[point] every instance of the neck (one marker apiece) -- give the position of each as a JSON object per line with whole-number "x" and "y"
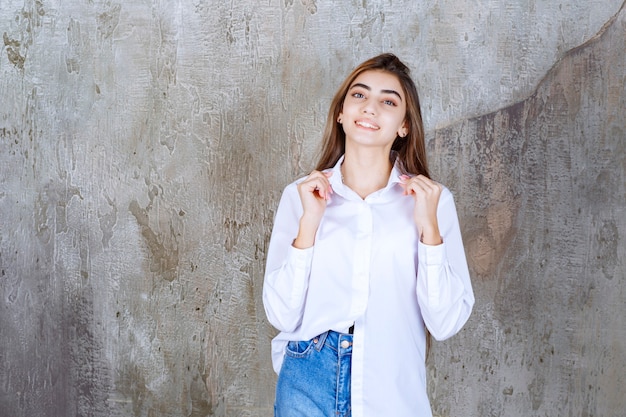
{"x": 366, "y": 172}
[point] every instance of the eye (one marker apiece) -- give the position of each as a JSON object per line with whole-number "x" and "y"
{"x": 389, "y": 102}
{"x": 358, "y": 95}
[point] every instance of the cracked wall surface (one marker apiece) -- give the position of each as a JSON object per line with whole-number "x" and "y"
{"x": 144, "y": 146}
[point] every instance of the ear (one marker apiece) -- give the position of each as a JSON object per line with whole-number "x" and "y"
{"x": 404, "y": 130}
{"x": 340, "y": 117}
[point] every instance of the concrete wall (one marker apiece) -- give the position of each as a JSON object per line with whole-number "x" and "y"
{"x": 144, "y": 146}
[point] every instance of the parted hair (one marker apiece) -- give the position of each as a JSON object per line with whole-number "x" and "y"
{"x": 410, "y": 150}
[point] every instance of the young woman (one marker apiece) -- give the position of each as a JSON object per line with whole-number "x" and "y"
{"x": 365, "y": 259}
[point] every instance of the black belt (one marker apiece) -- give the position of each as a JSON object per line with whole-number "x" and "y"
{"x": 351, "y": 329}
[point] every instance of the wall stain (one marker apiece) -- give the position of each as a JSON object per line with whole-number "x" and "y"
{"x": 89, "y": 382}
{"x": 201, "y": 405}
{"x": 164, "y": 260}
{"x": 368, "y": 25}
{"x": 163, "y": 246}
{"x": 50, "y": 210}
{"x": 310, "y": 6}
{"x": 72, "y": 60}
{"x": 107, "y": 222}
{"x": 27, "y": 20}
{"x": 233, "y": 228}
{"x": 131, "y": 384}
{"x": 108, "y": 20}
{"x": 13, "y": 51}
{"x": 605, "y": 245}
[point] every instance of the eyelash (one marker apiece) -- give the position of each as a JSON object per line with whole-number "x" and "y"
{"x": 360, "y": 95}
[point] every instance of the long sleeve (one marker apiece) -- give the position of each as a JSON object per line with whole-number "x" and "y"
{"x": 444, "y": 289}
{"x": 288, "y": 268}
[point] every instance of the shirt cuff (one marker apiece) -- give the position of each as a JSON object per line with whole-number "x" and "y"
{"x": 431, "y": 255}
{"x": 300, "y": 258}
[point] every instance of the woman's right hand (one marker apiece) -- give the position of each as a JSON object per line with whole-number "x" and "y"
{"x": 315, "y": 191}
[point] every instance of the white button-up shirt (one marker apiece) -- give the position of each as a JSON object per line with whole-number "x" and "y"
{"x": 369, "y": 268}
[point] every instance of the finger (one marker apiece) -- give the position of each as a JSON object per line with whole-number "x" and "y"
{"x": 420, "y": 185}
{"x": 414, "y": 186}
{"x": 424, "y": 184}
{"x": 324, "y": 175}
{"x": 404, "y": 183}
{"x": 317, "y": 183}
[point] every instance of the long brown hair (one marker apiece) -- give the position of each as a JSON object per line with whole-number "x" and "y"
{"x": 411, "y": 149}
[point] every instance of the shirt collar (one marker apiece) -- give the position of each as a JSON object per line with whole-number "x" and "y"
{"x": 336, "y": 181}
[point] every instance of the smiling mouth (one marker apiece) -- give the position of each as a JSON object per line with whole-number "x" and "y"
{"x": 366, "y": 124}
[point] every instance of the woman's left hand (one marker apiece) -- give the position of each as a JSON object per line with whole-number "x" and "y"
{"x": 426, "y": 193}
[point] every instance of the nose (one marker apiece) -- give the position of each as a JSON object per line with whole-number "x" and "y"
{"x": 368, "y": 107}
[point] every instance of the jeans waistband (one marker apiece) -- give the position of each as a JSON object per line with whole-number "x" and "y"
{"x": 333, "y": 339}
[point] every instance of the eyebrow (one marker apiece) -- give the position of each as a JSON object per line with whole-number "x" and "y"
{"x": 368, "y": 88}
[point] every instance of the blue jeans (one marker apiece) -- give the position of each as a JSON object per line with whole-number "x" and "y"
{"x": 314, "y": 380}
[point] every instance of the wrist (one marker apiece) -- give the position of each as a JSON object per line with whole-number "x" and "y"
{"x": 431, "y": 236}
{"x": 306, "y": 233}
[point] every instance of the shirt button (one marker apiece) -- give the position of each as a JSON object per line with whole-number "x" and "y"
{"x": 345, "y": 344}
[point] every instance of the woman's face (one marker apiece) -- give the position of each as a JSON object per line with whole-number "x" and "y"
{"x": 374, "y": 110}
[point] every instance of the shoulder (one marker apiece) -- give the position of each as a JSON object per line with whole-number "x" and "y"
{"x": 290, "y": 192}
{"x": 446, "y": 200}
{"x": 445, "y": 192}
{"x": 292, "y": 187}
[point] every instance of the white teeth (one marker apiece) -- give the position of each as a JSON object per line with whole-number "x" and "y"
{"x": 367, "y": 125}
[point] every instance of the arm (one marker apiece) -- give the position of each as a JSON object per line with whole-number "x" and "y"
{"x": 444, "y": 289}
{"x": 299, "y": 213}
{"x": 287, "y": 268}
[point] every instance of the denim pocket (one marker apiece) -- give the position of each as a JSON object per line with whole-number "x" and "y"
{"x": 299, "y": 349}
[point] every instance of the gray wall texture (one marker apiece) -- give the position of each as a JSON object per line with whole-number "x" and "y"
{"x": 144, "y": 146}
